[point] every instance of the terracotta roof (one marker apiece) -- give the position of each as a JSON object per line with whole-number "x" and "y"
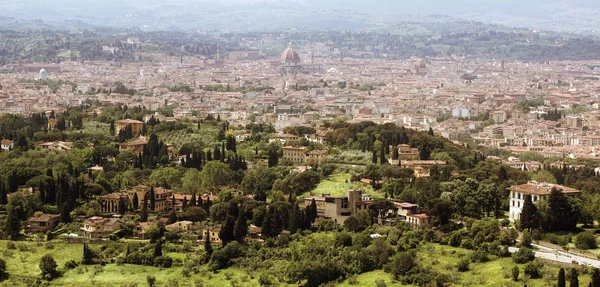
{"x": 43, "y": 217}
{"x": 129, "y": 121}
{"x": 6, "y": 142}
{"x": 420, "y": 216}
{"x": 543, "y": 188}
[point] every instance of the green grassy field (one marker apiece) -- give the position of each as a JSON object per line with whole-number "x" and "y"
{"x": 23, "y": 267}
{"x": 338, "y": 184}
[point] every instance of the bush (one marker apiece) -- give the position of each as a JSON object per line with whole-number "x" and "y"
{"x": 532, "y": 269}
{"x": 163, "y": 261}
{"x": 71, "y": 264}
{"x": 151, "y": 280}
{"x": 463, "y": 265}
{"x": 380, "y": 283}
{"x": 586, "y": 240}
{"x": 3, "y": 273}
{"x": 266, "y": 280}
{"x": 523, "y": 255}
{"x": 526, "y": 238}
{"x": 48, "y": 267}
{"x": 479, "y": 256}
{"x": 11, "y": 245}
{"x": 515, "y": 273}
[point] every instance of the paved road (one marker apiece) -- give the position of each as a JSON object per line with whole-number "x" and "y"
{"x": 559, "y": 256}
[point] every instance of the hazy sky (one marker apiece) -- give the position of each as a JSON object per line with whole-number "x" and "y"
{"x": 108, "y": 12}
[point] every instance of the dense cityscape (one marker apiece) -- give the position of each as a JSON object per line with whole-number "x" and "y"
{"x": 294, "y": 158}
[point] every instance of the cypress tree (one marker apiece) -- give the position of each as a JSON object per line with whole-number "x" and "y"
{"x": 157, "y": 249}
{"x": 217, "y": 153}
{"x": 529, "y": 218}
{"x": 207, "y": 246}
{"x": 152, "y": 199}
{"x": 122, "y": 206}
{"x": 42, "y": 189}
{"x": 184, "y": 204}
{"x": 374, "y": 158}
{"x": 172, "y": 217}
{"x": 382, "y": 156}
{"x": 273, "y": 158}
{"x": 561, "y": 278}
{"x": 135, "y": 202}
{"x": 573, "y": 278}
{"x": 200, "y": 203}
{"x": 3, "y": 194}
{"x": 595, "y": 278}
{"x": 193, "y": 200}
{"x": 227, "y": 230}
{"x": 241, "y": 227}
{"x": 267, "y": 224}
{"x": 313, "y": 211}
{"x": 144, "y": 215}
{"x": 430, "y": 131}
{"x": 295, "y": 218}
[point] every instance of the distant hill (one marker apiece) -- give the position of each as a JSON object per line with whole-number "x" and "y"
{"x": 251, "y": 15}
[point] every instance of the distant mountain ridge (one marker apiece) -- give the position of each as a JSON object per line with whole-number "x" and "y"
{"x": 580, "y": 16}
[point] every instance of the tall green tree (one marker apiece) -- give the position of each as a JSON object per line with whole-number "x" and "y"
{"x": 241, "y": 227}
{"x": 313, "y": 210}
{"x": 530, "y": 218}
{"x": 144, "y": 213}
{"x": 561, "y": 278}
{"x": 193, "y": 200}
{"x": 573, "y": 278}
{"x": 227, "y": 230}
{"x": 3, "y": 194}
{"x": 595, "y": 278}
{"x": 273, "y": 159}
{"x": 135, "y": 202}
{"x": 152, "y": 199}
{"x": 267, "y": 224}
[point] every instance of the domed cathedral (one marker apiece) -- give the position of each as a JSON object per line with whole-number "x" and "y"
{"x": 420, "y": 67}
{"x": 290, "y": 61}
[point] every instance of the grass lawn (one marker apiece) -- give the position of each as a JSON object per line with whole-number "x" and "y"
{"x": 129, "y": 275}
{"x": 496, "y": 272}
{"x": 337, "y": 184}
{"x": 368, "y": 279}
{"x": 23, "y": 267}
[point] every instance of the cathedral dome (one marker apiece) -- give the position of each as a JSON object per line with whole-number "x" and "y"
{"x": 419, "y": 64}
{"x": 290, "y": 55}
{"x": 43, "y": 71}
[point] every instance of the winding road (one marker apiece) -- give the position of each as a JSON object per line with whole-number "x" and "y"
{"x": 560, "y": 256}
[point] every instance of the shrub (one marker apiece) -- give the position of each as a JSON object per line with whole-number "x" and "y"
{"x": 380, "y": 283}
{"x": 586, "y": 240}
{"x": 3, "y": 273}
{"x": 71, "y": 264}
{"x": 11, "y": 245}
{"x": 266, "y": 280}
{"x": 463, "y": 265}
{"x": 163, "y": 261}
{"x": 523, "y": 255}
{"x": 48, "y": 267}
{"x": 479, "y": 256}
{"x": 532, "y": 269}
{"x": 151, "y": 280}
{"x": 526, "y": 238}
{"x": 515, "y": 273}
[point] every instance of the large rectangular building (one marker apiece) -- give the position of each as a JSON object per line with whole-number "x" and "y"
{"x": 537, "y": 190}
